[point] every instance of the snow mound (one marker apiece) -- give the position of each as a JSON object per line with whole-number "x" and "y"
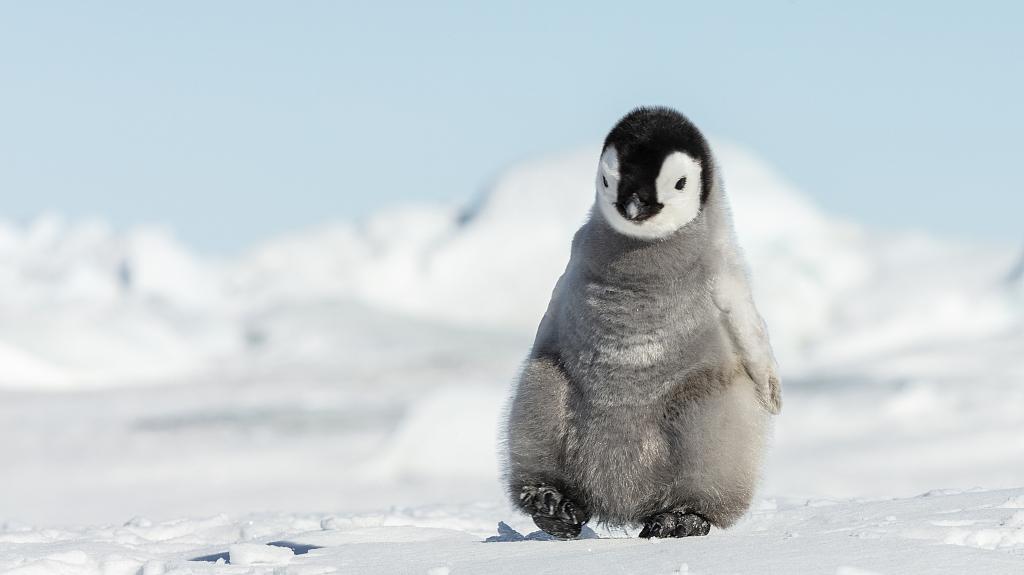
{"x": 433, "y": 440}
{"x": 259, "y": 554}
{"x": 21, "y": 366}
{"x": 85, "y": 305}
{"x": 1016, "y": 276}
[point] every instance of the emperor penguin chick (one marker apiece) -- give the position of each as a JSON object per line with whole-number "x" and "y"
{"x": 647, "y": 395}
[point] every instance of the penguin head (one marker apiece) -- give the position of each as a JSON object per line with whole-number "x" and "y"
{"x": 655, "y": 172}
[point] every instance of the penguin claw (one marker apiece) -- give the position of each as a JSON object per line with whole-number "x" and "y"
{"x": 675, "y": 524}
{"x": 554, "y": 513}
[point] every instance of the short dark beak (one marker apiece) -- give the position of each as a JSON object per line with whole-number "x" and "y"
{"x": 636, "y": 210}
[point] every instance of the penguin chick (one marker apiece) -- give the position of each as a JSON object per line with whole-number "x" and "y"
{"x": 647, "y": 395}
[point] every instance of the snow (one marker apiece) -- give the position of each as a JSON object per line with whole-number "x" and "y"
{"x": 955, "y": 532}
{"x": 259, "y": 554}
{"x": 342, "y": 388}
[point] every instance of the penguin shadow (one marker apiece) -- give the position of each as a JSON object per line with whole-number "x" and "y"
{"x": 225, "y": 557}
{"x": 507, "y": 534}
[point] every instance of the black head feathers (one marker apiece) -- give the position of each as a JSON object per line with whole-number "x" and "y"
{"x": 645, "y": 136}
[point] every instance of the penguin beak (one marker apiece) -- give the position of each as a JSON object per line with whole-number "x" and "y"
{"x": 636, "y": 210}
{"x": 633, "y": 208}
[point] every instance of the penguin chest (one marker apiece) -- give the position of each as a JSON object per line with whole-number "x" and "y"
{"x": 625, "y": 345}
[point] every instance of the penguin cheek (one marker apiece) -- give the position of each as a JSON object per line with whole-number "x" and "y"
{"x": 681, "y": 213}
{"x": 608, "y": 193}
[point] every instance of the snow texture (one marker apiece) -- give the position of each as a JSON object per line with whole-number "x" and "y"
{"x": 949, "y": 532}
{"x": 159, "y": 406}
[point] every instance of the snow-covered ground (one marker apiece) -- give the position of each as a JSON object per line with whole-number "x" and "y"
{"x": 944, "y": 532}
{"x": 342, "y": 387}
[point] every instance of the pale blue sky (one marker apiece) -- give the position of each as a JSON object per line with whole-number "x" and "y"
{"x": 234, "y": 121}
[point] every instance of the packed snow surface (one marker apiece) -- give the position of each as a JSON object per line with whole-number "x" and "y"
{"x": 979, "y": 532}
{"x": 258, "y": 412}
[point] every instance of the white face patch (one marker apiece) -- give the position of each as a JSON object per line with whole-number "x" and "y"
{"x": 681, "y": 206}
{"x": 608, "y": 178}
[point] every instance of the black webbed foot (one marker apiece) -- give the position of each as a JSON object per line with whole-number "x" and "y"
{"x": 554, "y": 513}
{"x": 675, "y": 524}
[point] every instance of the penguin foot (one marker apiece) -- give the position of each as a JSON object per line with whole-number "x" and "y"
{"x": 554, "y": 513}
{"x": 675, "y": 524}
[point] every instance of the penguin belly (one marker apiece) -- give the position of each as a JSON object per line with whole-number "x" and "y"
{"x": 621, "y": 458}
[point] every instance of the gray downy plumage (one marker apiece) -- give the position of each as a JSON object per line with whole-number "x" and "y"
{"x": 651, "y": 382}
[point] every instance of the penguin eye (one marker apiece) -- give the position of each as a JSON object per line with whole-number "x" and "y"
{"x": 681, "y": 183}
{"x": 605, "y": 180}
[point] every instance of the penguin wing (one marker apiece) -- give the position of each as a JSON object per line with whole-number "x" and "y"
{"x": 749, "y": 334}
{"x": 545, "y": 341}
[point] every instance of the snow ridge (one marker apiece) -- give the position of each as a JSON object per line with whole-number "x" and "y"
{"x": 84, "y": 305}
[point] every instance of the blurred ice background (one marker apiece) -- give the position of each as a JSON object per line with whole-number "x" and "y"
{"x": 277, "y": 341}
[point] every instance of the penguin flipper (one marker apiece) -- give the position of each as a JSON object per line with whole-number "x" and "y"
{"x": 749, "y": 335}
